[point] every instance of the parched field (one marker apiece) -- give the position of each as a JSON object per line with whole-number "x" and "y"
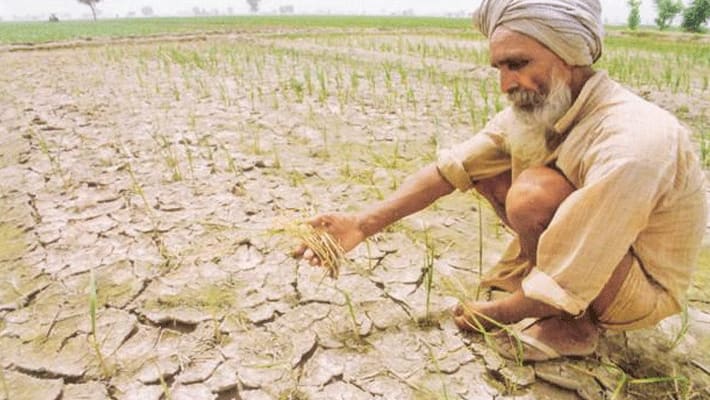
{"x": 145, "y": 182}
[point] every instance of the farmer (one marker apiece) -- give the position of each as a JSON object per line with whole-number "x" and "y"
{"x": 602, "y": 188}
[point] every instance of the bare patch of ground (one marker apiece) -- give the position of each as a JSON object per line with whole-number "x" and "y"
{"x": 164, "y": 166}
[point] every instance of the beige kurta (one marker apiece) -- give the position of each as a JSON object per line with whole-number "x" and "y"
{"x": 639, "y": 187}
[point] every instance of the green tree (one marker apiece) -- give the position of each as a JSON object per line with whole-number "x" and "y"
{"x": 634, "y": 14}
{"x": 92, "y": 5}
{"x": 696, "y": 15}
{"x": 667, "y": 10}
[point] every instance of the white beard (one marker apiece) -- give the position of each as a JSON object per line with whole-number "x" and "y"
{"x": 537, "y": 116}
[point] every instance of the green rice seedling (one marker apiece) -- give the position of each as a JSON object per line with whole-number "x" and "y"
{"x": 412, "y": 99}
{"x": 163, "y": 385}
{"x": 192, "y": 121}
{"x": 428, "y": 270}
{"x": 169, "y": 260}
{"x": 204, "y": 143}
{"x": 325, "y": 153}
{"x": 681, "y": 384}
{"x": 374, "y": 186}
{"x": 684, "y": 325}
{"x": 480, "y": 246}
{"x": 54, "y": 161}
{"x": 454, "y": 289}
{"x": 368, "y": 249}
{"x": 322, "y": 85}
{"x": 277, "y": 157}
{"x": 387, "y": 68}
{"x": 141, "y": 82}
{"x": 308, "y": 80}
{"x": 371, "y": 79}
{"x": 105, "y": 371}
{"x": 169, "y": 156}
{"x": 323, "y": 245}
{"x": 295, "y": 178}
{"x": 457, "y": 94}
{"x": 343, "y": 99}
{"x": 189, "y": 156}
{"x": 224, "y": 94}
{"x": 297, "y": 88}
{"x": 704, "y": 140}
{"x": 137, "y": 187}
{"x": 354, "y": 81}
{"x": 435, "y": 361}
{"x": 485, "y": 113}
{"x": 403, "y": 75}
{"x": 351, "y": 311}
{"x": 339, "y": 79}
{"x": 473, "y": 112}
{"x": 204, "y": 89}
{"x": 176, "y": 92}
{"x": 292, "y": 394}
{"x": 346, "y": 171}
{"x": 497, "y": 103}
{"x": 275, "y": 101}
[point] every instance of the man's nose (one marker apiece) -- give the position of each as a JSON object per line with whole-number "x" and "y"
{"x": 508, "y": 81}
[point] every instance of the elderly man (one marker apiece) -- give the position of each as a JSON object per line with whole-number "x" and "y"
{"x": 601, "y": 187}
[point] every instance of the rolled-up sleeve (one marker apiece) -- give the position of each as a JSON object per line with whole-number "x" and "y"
{"x": 591, "y": 232}
{"x": 482, "y": 156}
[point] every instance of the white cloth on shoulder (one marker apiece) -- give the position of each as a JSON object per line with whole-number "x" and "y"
{"x": 572, "y": 29}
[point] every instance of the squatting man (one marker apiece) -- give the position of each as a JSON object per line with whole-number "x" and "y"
{"x": 602, "y": 188}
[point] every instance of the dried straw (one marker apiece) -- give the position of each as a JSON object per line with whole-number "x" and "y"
{"x": 323, "y": 245}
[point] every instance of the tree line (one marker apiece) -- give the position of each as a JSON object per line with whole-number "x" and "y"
{"x": 253, "y": 7}
{"x": 695, "y": 15}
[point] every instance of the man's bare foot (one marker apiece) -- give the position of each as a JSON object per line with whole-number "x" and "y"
{"x": 479, "y": 316}
{"x": 486, "y": 315}
{"x": 550, "y": 338}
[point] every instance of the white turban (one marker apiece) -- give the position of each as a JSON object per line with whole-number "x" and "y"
{"x": 572, "y": 29}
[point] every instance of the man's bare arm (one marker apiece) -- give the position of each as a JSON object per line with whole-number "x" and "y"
{"x": 416, "y": 193}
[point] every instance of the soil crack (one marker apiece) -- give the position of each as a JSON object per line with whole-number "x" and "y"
{"x": 42, "y": 373}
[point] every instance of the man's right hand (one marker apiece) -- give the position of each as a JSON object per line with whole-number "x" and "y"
{"x": 416, "y": 192}
{"x": 344, "y": 228}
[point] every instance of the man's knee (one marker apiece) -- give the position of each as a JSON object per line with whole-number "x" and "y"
{"x": 494, "y": 189}
{"x": 534, "y": 197}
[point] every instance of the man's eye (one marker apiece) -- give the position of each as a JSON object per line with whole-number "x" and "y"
{"x": 516, "y": 65}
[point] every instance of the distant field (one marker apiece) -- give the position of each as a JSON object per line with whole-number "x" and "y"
{"x": 38, "y": 32}
{"x": 42, "y": 32}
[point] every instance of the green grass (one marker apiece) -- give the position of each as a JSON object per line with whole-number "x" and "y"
{"x": 40, "y": 32}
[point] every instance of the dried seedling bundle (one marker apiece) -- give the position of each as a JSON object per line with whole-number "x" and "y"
{"x": 323, "y": 245}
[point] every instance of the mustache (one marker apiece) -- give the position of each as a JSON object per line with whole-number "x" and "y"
{"x": 526, "y": 99}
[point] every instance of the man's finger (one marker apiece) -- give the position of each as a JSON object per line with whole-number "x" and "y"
{"x": 298, "y": 251}
{"x": 317, "y": 221}
{"x": 308, "y": 254}
{"x": 322, "y": 221}
{"x": 462, "y": 323}
{"x": 458, "y": 310}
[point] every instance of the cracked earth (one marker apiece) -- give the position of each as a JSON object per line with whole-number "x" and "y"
{"x": 158, "y": 172}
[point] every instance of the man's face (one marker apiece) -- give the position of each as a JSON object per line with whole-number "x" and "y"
{"x": 527, "y": 68}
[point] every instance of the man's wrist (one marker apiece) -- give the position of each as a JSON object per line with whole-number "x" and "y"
{"x": 367, "y": 224}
